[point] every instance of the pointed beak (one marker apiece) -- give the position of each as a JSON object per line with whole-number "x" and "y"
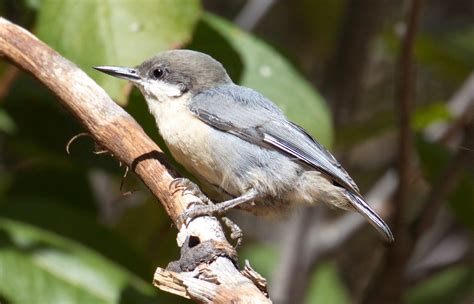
{"x": 120, "y": 72}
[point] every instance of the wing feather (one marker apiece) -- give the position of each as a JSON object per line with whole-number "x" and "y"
{"x": 247, "y": 114}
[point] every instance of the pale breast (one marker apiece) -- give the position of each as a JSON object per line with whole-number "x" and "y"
{"x": 187, "y": 138}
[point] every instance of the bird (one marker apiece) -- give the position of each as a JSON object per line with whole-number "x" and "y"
{"x": 239, "y": 145}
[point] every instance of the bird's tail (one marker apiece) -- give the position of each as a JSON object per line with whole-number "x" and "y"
{"x": 358, "y": 203}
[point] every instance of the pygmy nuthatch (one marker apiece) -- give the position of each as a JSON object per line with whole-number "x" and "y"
{"x": 237, "y": 143}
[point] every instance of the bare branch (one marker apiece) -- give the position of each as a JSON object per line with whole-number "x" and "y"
{"x": 389, "y": 288}
{"x": 115, "y": 130}
{"x": 345, "y": 75}
{"x": 252, "y": 13}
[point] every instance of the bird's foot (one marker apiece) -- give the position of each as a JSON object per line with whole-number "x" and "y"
{"x": 236, "y": 232}
{"x": 187, "y": 186}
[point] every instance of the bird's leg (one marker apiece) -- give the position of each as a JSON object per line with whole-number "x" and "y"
{"x": 219, "y": 208}
{"x": 235, "y": 231}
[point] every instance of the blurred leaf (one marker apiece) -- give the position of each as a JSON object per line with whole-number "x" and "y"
{"x": 461, "y": 201}
{"x": 429, "y": 114}
{"x": 33, "y": 4}
{"x": 326, "y": 286}
{"x": 56, "y": 270}
{"x": 5, "y": 183}
{"x": 385, "y": 121}
{"x": 120, "y": 32}
{"x": 263, "y": 258}
{"x": 208, "y": 39}
{"x": 447, "y": 287}
{"x": 6, "y": 123}
{"x": 266, "y": 71}
{"x": 438, "y": 53}
{"x": 434, "y": 159}
{"x": 463, "y": 41}
{"x": 74, "y": 224}
{"x": 148, "y": 229}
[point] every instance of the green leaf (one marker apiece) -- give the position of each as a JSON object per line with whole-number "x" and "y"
{"x": 448, "y": 56}
{"x": 434, "y": 159}
{"x": 147, "y": 227}
{"x": 6, "y": 123}
{"x": 119, "y": 32}
{"x": 447, "y": 287}
{"x": 384, "y": 121}
{"x": 266, "y": 71}
{"x": 56, "y": 270}
{"x": 461, "y": 201}
{"x": 74, "y": 224}
{"x": 429, "y": 114}
{"x": 326, "y": 286}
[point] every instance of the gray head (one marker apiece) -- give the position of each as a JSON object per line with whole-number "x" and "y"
{"x": 173, "y": 73}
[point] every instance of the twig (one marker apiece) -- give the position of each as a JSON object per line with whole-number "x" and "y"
{"x": 346, "y": 71}
{"x": 390, "y": 285}
{"x": 327, "y": 237}
{"x": 453, "y": 249}
{"x": 252, "y": 13}
{"x": 116, "y": 131}
{"x": 342, "y": 85}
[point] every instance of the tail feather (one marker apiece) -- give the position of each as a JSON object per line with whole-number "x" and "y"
{"x": 361, "y": 206}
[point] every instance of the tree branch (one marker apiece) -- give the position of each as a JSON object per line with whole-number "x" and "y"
{"x": 343, "y": 83}
{"x": 390, "y": 287}
{"x": 115, "y": 130}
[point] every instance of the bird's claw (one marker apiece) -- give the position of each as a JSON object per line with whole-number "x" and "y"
{"x": 186, "y": 186}
{"x": 236, "y": 232}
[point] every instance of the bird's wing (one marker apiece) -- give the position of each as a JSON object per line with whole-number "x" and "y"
{"x": 247, "y": 114}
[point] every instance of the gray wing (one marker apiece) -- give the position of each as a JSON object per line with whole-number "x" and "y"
{"x": 247, "y": 114}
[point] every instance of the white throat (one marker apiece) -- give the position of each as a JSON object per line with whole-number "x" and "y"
{"x": 167, "y": 103}
{"x": 160, "y": 90}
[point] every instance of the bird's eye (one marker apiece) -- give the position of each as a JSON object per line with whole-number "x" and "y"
{"x": 157, "y": 73}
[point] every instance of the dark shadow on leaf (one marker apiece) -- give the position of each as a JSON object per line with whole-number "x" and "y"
{"x": 209, "y": 41}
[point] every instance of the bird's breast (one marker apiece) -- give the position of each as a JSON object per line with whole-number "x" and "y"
{"x": 187, "y": 137}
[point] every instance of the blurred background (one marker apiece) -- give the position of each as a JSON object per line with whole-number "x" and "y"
{"x": 69, "y": 235}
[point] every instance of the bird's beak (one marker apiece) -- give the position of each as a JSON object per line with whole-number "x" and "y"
{"x": 120, "y": 72}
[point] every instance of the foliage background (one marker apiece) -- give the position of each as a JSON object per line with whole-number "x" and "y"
{"x": 68, "y": 235}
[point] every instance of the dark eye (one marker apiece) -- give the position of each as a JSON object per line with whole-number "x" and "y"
{"x": 157, "y": 73}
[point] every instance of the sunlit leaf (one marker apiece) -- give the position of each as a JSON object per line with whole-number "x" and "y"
{"x": 120, "y": 32}
{"x": 6, "y": 123}
{"x": 429, "y": 114}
